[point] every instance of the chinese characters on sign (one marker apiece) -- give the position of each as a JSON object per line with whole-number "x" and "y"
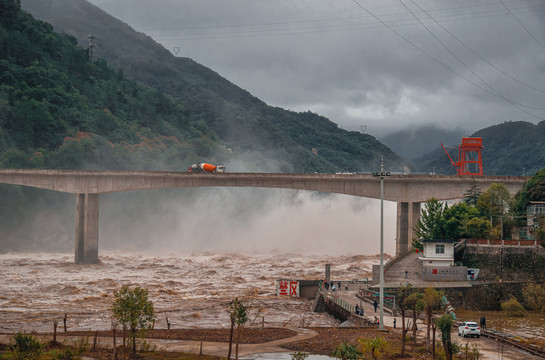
{"x": 287, "y": 288}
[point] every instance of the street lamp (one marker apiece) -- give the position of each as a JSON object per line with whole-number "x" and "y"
{"x": 382, "y": 174}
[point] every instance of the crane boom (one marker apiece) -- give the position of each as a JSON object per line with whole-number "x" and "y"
{"x": 470, "y": 160}
{"x": 451, "y": 161}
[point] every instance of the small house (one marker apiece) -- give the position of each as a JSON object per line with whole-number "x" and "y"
{"x": 438, "y": 261}
{"x": 437, "y": 252}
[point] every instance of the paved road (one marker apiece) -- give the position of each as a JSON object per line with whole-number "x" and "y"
{"x": 489, "y": 349}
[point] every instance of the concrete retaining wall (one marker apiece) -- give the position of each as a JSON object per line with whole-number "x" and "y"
{"x": 444, "y": 273}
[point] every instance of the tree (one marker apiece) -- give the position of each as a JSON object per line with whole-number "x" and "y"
{"x": 496, "y": 203}
{"x": 345, "y": 351}
{"x": 376, "y": 346}
{"x": 432, "y": 300}
{"x": 471, "y": 196}
{"x": 534, "y": 190}
{"x": 534, "y": 296}
{"x": 402, "y": 295}
{"x": 444, "y": 323}
{"x": 416, "y": 305}
{"x": 240, "y": 319}
{"x": 430, "y": 225}
{"x": 238, "y": 316}
{"x": 478, "y": 228}
{"x": 456, "y": 218}
{"x": 133, "y": 309}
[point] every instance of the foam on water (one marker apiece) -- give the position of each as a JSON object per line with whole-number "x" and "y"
{"x": 192, "y": 290}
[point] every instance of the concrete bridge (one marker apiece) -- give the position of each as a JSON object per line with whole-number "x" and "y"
{"x": 409, "y": 191}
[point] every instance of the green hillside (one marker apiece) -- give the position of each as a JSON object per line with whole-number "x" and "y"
{"x": 58, "y": 110}
{"x": 299, "y": 142}
{"x": 510, "y": 148}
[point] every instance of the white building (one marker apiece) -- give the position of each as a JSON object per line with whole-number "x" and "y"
{"x": 437, "y": 252}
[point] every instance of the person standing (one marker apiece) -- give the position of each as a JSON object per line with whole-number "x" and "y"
{"x": 375, "y": 304}
{"x": 394, "y": 323}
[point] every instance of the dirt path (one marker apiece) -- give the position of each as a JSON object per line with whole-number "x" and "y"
{"x": 221, "y": 349}
{"x": 489, "y": 349}
{"x": 208, "y": 347}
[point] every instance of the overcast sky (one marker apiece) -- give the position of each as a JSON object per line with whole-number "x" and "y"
{"x": 383, "y": 65}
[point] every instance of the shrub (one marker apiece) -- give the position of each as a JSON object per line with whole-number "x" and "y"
{"x": 346, "y": 352}
{"x": 534, "y": 297}
{"x": 25, "y": 347}
{"x": 376, "y": 347}
{"x": 299, "y": 355}
{"x": 513, "y": 308}
{"x": 471, "y": 353}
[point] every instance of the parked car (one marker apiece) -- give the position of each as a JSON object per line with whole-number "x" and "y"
{"x": 469, "y": 328}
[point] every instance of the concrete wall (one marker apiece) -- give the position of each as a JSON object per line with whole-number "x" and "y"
{"x": 429, "y": 251}
{"x": 306, "y": 289}
{"x": 507, "y": 262}
{"x": 444, "y": 273}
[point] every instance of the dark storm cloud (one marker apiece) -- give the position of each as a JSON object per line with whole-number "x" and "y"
{"x": 364, "y": 62}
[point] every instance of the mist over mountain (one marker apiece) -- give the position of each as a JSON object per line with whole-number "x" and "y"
{"x": 297, "y": 142}
{"x": 419, "y": 141}
{"x": 59, "y": 110}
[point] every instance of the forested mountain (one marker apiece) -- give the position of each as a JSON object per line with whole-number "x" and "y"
{"x": 511, "y": 148}
{"x": 58, "y": 110}
{"x": 299, "y": 142}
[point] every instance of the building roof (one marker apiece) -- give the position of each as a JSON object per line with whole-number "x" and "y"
{"x": 437, "y": 259}
{"x": 448, "y": 241}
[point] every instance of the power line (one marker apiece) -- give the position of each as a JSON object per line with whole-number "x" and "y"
{"x": 439, "y": 62}
{"x": 253, "y": 29}
{"x": 474, "y": 52}
{"x": 521, "y": 24}
{"x": 496, "y": 92}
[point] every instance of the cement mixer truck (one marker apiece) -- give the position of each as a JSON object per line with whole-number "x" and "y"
{"x": 206, "y": 168}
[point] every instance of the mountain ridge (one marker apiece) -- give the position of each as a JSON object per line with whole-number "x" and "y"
{"x": 241, "y": 121}
{"x": 510, "y": 148}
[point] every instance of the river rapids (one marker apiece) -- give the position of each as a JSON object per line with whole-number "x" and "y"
{"x": 191, "y": 290}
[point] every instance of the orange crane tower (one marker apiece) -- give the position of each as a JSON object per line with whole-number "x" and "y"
{"x": 470, "y": 160}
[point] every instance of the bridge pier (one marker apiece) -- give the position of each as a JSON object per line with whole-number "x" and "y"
{"x": 408, "y": 214}
{"x": 86, "y": 228}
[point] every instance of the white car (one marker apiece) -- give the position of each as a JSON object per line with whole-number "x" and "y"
{"x": 469, "y": 328}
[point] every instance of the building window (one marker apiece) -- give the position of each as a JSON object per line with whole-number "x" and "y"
{"x": 439, "y": 249}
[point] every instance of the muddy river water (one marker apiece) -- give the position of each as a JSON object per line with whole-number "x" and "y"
{"x": 191, "y": 290}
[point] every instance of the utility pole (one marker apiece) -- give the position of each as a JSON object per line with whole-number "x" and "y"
{"x": 381, "y": 174}
{"x": 91, "y": 46}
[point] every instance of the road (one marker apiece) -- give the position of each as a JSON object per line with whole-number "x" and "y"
{"x": 489, "y": 349}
